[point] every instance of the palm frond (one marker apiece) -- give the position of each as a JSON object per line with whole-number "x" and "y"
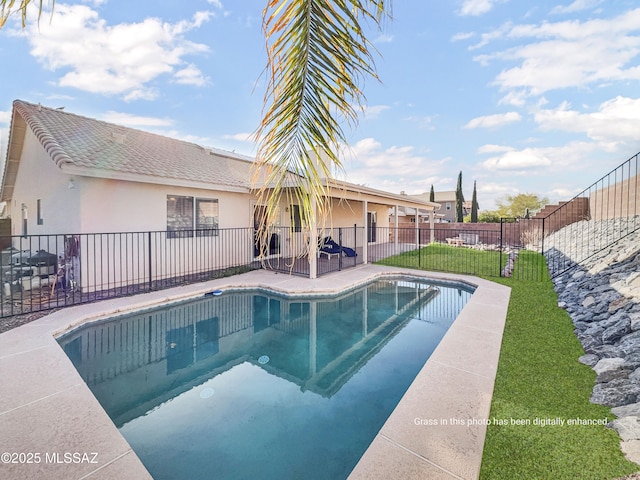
{"x": 8, "y": 7}
{"x": 318, "y": 58}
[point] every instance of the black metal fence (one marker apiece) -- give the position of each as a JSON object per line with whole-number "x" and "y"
{"x": 490, "y": 249}
{"x": 42, "y": 272}
{"x": 599, "y": 216}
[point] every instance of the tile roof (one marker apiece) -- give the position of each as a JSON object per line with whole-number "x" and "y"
{"x": 100, "y": 148}
{"x": 79, "y": 141}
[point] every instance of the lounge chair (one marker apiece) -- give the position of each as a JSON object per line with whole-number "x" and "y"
{"x": 329, "y": 247}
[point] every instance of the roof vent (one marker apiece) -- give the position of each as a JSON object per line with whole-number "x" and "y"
{"x": 119, "y": 137}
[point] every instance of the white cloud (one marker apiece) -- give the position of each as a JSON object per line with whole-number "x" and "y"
{"x": 392, "y": 168}
{"x": 489, "y": 148}
{"x": 493, "y": 121}
{"x": 241, "y": 137}
{"x": 576, "y": 6}
{"x": 5, "y": 116}
{"x": 568, "y": 54}
{"x": 617, "y": 120}
{"x": 518, "y": 160}
{"x": 477, "y": 7}
{"x": 131, "y": 120}
{"x": 373, "y": 111}
{"x": 462, "y": 36}
{"x": 383, "y": 38}
{"x": 542, "y": 160}
{"x": 117, "y": 59}
{"x": 191, "y": 75}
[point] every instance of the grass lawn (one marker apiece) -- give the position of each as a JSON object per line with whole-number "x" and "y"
{"x": 539, "y": 377}
{"x": 438, "y": 257}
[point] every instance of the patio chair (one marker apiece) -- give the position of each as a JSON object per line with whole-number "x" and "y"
{"x": 329, "y": 247}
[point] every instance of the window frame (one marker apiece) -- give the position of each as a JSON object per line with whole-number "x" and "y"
{"x": 186, "y": 222}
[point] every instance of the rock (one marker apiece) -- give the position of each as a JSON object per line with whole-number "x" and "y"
{"x": 635, "y": 375}
{"x": 617, "y": 304}
{"x": 617, "y": 331}
{"x": 632, "y": 361}
{"x": 589, "y": 359}
{"x": 562, "y": 305}
{"x": 578, "y": 275}
{"x": 631, "y": 450}
{"x": 587, "y": 302}
{"x": 607, "y": 364}
{"x": 633, "y": 280}
{"x": 627, "y": 410}
{"x": 634, "y": 318}
{"x": 615, "y": 393}
{"x": 627, "y": 427}
{"x": 629, "y": 343}
{"x": 609, "y": 375}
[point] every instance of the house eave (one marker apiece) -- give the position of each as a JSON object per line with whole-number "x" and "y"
{"x": 141, "y": 178}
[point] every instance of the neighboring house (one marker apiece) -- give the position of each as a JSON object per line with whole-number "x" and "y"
{"x": 409, "y": 215}
{"x": 69, "y": 174}
{"x": 447, "y": 202}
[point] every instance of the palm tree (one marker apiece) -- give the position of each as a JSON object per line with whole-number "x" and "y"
{"x": 318, "y": 58}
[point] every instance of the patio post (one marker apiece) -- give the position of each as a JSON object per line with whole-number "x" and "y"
{"x": 431, "y": 225}
{"x": 417, "y": 230}
{"x": 395, "y": 233}
{"x": 365, "y": 243}
{"x": 313, "y": 242}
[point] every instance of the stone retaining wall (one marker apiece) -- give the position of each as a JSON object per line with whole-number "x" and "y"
{"x": 602, "y": 295}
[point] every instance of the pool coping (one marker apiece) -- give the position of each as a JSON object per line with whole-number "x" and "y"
{"x": 49, "y": 415}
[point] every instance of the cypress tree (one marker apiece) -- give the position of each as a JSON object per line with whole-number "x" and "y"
{"x": 459, "y": 200}
{"x": 432, "y": 194}
{"x": 474, "y": 205}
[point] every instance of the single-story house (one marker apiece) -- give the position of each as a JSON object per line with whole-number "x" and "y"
{"x": 70, "y": 175}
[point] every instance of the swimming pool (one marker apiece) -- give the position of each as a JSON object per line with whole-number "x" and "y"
{"x": 254, "y": 385}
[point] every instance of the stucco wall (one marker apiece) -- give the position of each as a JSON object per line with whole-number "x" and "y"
{"x": 619, "y": 200}
{"x": 39, "y": 178}
{"x": 118, "y": 206}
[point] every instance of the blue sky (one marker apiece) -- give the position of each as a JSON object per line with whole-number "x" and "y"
{"x": 523, "y": 97}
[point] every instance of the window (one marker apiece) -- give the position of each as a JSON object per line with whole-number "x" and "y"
{"x": 206, "y": 217}
{"x": 296, "y": 218}
{"x": 182, "y": 211}
{"x": 39, "y": 211}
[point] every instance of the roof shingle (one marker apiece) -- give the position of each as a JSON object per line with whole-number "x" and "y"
{"x": 86, "y": 142}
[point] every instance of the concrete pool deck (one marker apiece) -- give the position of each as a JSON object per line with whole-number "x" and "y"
{"x": 51, "y": 425}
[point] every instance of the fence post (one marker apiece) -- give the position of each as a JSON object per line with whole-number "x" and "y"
{"x": 340, "y": 243}
{"x": 544, "y": 260}
{"x": 149, "y": 260}
{"x": 419, "y": 250}
{"x": 500, "y": 249}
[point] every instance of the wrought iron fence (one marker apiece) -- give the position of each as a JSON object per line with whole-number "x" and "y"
{"x": 487, "y": 249}
{"x": 42, "y": 272}
{"x": 599, "y": 216}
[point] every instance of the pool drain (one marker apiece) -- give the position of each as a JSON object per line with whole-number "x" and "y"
{"x": 263, "y": 359}
{"x": 206, "y": 392}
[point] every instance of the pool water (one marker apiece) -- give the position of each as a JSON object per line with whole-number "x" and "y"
{"x": 249, "y": 384}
